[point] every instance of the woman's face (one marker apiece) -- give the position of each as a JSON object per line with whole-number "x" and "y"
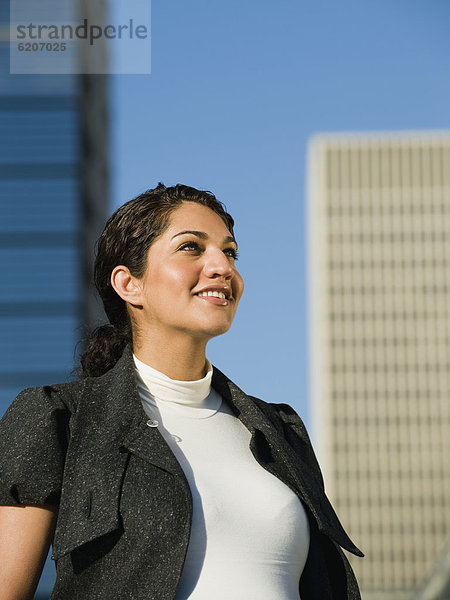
{"x": 195, "y": 254}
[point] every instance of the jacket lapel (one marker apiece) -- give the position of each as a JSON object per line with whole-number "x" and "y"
{"x": 108, "y": 422}
{"x": 148, "y": 443}
{"x": 281, "y": 460}
{"x": 115, "y": 421}
{"x": 134, "y": 434}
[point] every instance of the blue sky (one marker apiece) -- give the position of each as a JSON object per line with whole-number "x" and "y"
{"x": 236, "y": 90}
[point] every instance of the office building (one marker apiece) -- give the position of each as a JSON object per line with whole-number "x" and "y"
{"x": 53, "y": 203}
{"x": 379, "y": 264}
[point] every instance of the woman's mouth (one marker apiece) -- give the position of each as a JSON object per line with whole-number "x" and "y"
{"x": 214, "y": 297}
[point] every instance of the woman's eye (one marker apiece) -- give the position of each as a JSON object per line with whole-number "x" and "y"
{"x": 190, "y": 246}
{"x": 194, "y": 246}
{"x": 231, "y": 252}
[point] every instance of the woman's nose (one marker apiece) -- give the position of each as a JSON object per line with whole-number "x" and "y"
{"x": 217, "y": 263}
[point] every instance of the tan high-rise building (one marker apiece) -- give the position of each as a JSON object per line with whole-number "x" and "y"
{"x": 379, "y": 245}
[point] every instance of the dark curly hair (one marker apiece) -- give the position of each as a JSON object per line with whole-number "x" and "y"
{"x": 126, "y": 239}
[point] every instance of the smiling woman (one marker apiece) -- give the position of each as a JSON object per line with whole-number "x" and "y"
{"x": 159, "y": 477}
{"x": 188, "y": 293}
{"x": 150, "y": 266}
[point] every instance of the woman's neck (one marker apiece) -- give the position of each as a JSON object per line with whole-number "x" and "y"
{"x": 183, "y": 359}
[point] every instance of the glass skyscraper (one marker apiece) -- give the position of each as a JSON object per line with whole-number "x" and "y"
{"x": 53, "y": 197}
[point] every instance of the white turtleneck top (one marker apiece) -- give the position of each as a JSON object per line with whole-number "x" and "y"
{"x": 250, "y": 534}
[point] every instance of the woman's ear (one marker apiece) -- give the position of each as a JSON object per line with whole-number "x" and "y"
{"x": 125, "y": 285}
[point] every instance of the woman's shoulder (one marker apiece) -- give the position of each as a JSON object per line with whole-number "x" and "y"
{"x": 291, "y": 426}
{"x": 282, "y": 412}
{"x": 34, "y": 436}
{"x": 63, "y": 395}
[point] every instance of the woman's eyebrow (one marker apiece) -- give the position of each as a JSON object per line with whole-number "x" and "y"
{"x": 204, "y": 236}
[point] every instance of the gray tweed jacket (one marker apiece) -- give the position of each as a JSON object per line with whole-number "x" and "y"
{"x": 125, "y": 505}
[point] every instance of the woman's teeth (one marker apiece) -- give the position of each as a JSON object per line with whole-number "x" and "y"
{"x": 212, "y": 293}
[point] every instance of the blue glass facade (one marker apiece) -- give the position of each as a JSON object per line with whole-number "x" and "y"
{"x": 40, "y": 232}
{"x": 39, "y": 238}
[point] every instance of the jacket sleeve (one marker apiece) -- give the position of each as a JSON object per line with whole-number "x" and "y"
{"x": 33, "y": 443}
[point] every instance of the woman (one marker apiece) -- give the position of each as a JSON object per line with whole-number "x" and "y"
{"x": 159, "y": 477}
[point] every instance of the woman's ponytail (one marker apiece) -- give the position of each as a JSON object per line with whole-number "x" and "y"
{"x": 104, "y": 348}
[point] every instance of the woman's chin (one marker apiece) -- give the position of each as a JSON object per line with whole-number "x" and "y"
{"x": 212, "y": 331}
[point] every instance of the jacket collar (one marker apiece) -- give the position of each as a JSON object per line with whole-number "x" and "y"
{"x": 123, "y": 420}
{"x": 124, "y": 409}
